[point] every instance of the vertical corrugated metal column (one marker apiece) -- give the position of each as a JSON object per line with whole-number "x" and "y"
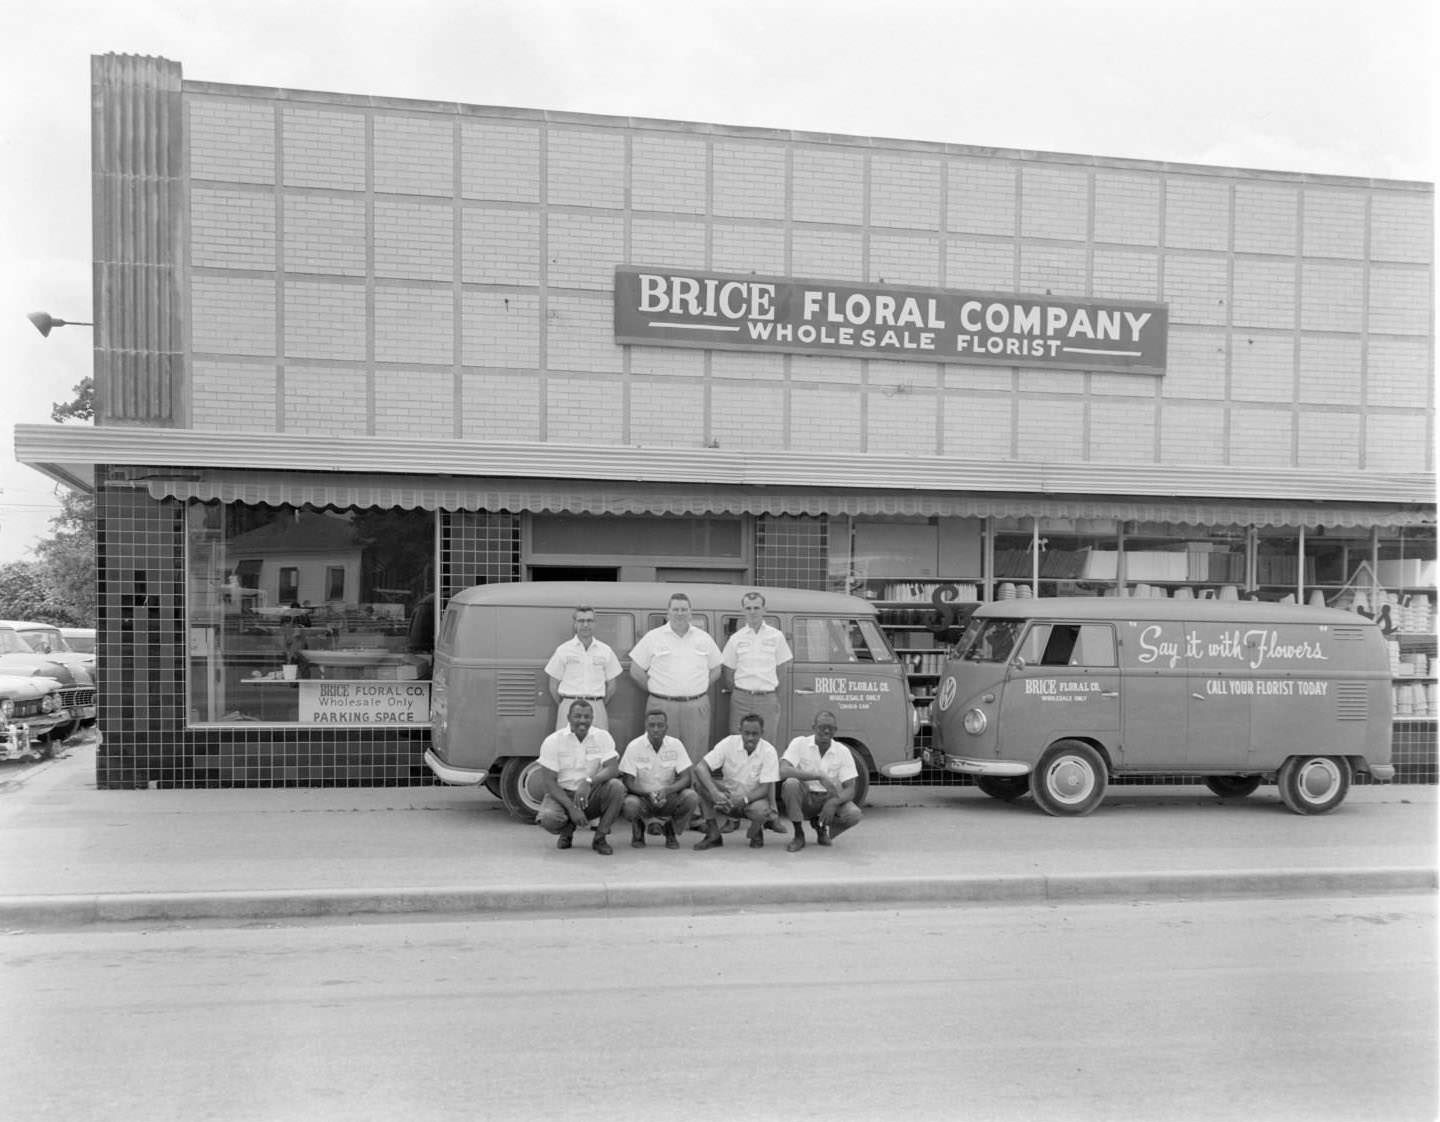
{"x": 139, "y": 216}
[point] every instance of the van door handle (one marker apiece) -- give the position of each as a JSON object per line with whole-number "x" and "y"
{"x": 804, "y": 691}
{"x": 1197, "y": 697}
{"x": 1109, "y": 693}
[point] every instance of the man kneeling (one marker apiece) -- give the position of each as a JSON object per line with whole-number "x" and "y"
{"x": 577, "y": 772}
{"x": 656, "y": 771}
{"x": 747, "y": 768}
{"x": 817, "y": 782}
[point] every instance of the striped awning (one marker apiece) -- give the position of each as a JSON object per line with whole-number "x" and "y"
{"x": 555, "y": 496}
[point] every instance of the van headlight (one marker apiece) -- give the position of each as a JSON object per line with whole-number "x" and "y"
{"x": 975, "y": 722}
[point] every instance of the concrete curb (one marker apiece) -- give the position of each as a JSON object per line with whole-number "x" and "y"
{"x": 26, "y": 912}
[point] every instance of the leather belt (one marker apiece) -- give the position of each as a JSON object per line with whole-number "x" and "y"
{"x": 581, "y": 697}
{"x": 754, "y": 693}
{"x": 662, "y": 697}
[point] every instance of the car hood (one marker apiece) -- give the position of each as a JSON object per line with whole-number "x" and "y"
{"x": 43, "y": 666}
{"x": 17, "y": 688}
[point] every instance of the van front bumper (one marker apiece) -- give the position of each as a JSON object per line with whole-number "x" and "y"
{"x": 1381, "y": 773}
{"x": 905, "y": 769}
{"x": 966, "y": 765}
{"x": 459, "y": 776}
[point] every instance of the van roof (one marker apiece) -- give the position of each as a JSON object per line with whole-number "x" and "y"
{"x": 1123, "y": 608}
{"x": 653, "y": 596}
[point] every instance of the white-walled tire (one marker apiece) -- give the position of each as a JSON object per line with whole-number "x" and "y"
{"x": 1313, "y": 784}
{"x": 520, "y": 787}
{"x": 1070, "y": 779}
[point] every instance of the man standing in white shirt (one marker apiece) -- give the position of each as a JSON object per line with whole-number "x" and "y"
{"x": 748, "y": 769}
{"x": 676, "y": 664}
{"x": 577, "y": 771}
{"x": 583, "y": 668}
{"x": 656, "y": 771}
{"x": 817, "y": 781}
{"x": 751, "y": 665}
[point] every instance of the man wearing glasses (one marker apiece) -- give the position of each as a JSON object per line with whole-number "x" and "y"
{"x": 751, "y": 665}
{"x": 583, "y": 668}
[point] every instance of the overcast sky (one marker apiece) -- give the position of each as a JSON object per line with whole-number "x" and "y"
{"x": 1333, "y": 88}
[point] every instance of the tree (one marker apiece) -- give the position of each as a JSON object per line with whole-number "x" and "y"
{"x": 22, "y": 590}
{"x": 59, "y": 587}
{"x": 68, "y": 558}
{"x": 82, "y": 408}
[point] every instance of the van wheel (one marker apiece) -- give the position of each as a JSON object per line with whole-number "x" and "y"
{"x": 1232, "y": 786}
{"x": 862, "y": 771}
{"x": 1313, "y": 784}
{"x": 1070, "y": 779}
{"x": 520, "y": 789}
{"x": 1006, "y": 788}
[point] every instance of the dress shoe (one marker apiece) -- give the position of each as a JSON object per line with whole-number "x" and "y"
{"x": 637, "y": 834}
{"x": 775, "y": 826}
{"x": 797, "y": 843}
{"x": 601, "y": 845}
{"x": 709, "y": 841}
{"x": 671, "y": 841}
{"x": 563, "y": 841}
{"x": 822, "y": 835}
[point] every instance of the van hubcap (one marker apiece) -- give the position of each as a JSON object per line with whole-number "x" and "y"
{"x": 1071, "y": 780}
{"x": 1318, "y": 780}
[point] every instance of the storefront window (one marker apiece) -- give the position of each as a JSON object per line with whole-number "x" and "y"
{"x": 309, "y": 616}
{"x": 1072, "y": 557}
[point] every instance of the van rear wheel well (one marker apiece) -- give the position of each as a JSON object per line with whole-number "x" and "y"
{"x": 864, "y": 768}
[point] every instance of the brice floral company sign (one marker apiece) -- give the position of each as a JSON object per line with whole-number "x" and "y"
{"x": 673, "y": 308}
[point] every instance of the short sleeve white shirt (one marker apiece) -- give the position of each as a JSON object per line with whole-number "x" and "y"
{"x": 742, "y": 769}
{"x": 754, "y": 656}
{"x": 573, "y": 760}
{"x": 654, "y": 768}
{"x": 677, "y": 665}
{"x": 837, "y": 763}
{"x": 583, "y": 671}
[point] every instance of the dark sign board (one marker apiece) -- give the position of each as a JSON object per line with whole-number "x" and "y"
{"x": 725, "y": 311}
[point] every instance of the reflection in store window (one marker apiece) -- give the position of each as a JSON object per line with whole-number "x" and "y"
{"x": 302, "y": 615}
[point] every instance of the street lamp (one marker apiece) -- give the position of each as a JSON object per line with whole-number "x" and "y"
{"x": 44, "y": 321}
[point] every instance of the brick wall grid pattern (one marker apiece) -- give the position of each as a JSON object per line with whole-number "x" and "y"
{"x": 375, "y": 204}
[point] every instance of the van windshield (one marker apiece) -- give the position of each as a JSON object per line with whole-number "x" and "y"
{"x": 989, "y": 640}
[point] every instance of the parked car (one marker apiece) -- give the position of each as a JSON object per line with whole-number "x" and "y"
{"x": 47, "y": 639}
{"x": 32, "y": 717}
{"x": 76, "y": 680}
{"x": 80, "y": 639}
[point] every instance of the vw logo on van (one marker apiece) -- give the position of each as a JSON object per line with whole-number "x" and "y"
{"x": 946, "y": 696}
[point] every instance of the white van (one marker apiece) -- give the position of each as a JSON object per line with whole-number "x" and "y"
{"x": 1051, "y": 697}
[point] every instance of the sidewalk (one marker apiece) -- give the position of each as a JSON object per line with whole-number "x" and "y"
{"x": 74, "y": 854}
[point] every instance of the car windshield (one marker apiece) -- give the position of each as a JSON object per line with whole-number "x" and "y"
{"x": 990, "y": 640}
{"x": 11, "y": 643}
{"x": 44, "y": 640}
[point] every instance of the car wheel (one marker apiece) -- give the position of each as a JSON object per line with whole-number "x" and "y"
{"x": 1070, "y": 779}
{"x": 520, "y": 788}
{"x": 1313, "y": 784}
{"x": 1006, "y": 788}
{"x": 1232, "y": 786}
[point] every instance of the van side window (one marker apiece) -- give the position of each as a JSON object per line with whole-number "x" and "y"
{"x": 839, "y": 640}
{"x": 616, "y": 629}
{"x": 1069, "y": 644}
